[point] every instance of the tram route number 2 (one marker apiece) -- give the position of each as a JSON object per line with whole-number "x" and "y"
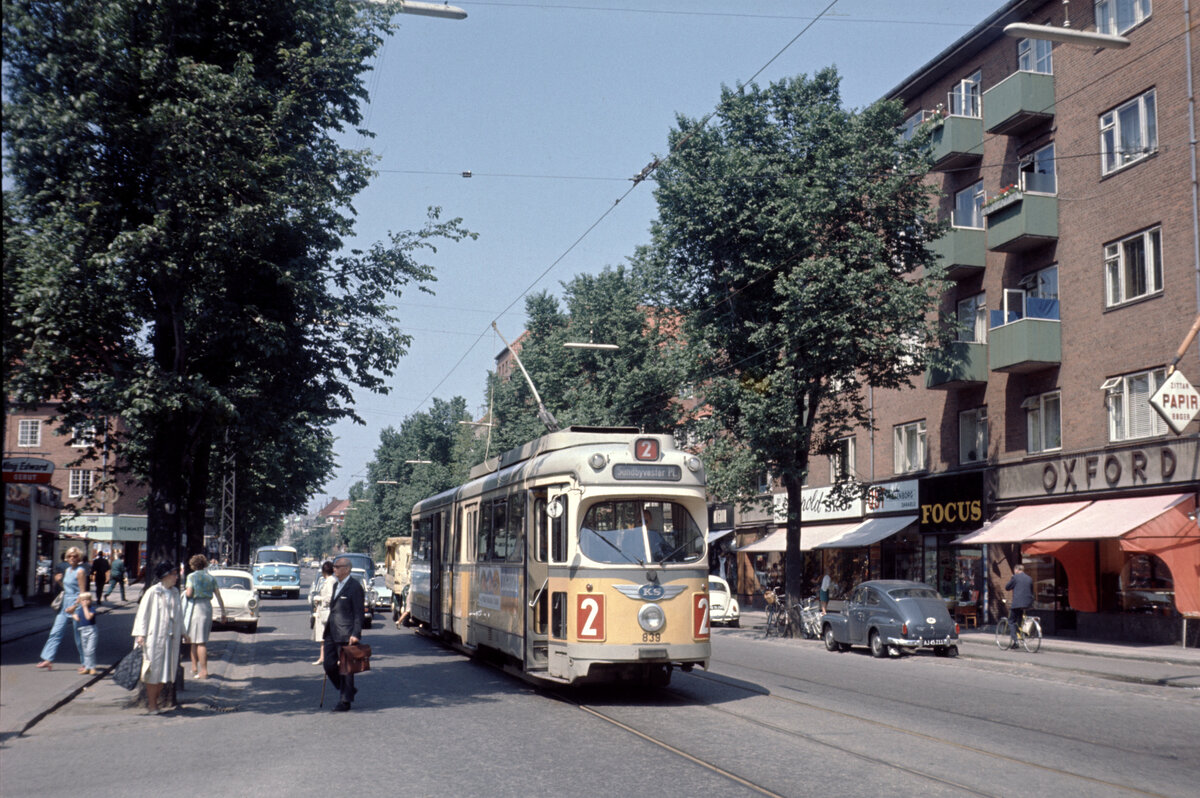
{"x": 589, "y": 616}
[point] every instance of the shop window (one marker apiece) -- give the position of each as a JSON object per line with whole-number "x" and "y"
{"x": 1146, "y": 586}
{"x": 1049, "y": 582}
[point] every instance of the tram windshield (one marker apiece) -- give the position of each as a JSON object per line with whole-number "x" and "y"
{"x": 640, "y": 531}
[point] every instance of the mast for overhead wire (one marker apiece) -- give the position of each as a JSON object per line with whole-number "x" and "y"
{"x": 544, "y": 415}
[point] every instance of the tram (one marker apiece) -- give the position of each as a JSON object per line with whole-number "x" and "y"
{"x": 578, "y": 557}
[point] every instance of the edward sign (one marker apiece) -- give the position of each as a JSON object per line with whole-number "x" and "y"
{"x": 28, "y": 470}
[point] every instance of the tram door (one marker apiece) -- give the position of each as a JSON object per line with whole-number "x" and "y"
{"x": 547, "y": 534}
{"x": 435, "y": 573}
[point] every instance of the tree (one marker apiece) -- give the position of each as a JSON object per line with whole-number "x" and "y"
{"x": 793, "y": 233}
{"x": 635, "y": 385}
{"x": 176, "y": 208}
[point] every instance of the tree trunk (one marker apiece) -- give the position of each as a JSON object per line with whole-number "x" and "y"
{"x": 793, "y": 557}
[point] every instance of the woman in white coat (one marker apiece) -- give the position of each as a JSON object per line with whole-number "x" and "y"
{"x": 321, "y": 596}
{"x": 158, "y": 629}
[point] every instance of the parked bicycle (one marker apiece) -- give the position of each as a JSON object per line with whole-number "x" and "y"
{"x": 1029, "y": 634}
{"x": 781, "y": 618}
{"x": 810, "y": 618}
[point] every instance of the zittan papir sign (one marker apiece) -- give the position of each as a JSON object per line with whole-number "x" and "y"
{"x": 1177, "y": 402}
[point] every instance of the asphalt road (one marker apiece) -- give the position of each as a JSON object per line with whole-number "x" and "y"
{"x": 780, "y": 717}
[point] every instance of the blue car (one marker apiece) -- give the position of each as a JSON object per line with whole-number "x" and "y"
{"x": 892, "y": 617}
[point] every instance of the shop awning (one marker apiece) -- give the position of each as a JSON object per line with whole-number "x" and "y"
{"x": 716, "y": 534}
{"x": 1109, "y": 518}
{"x": 869, "y": 532}
{"x": 776, "y": 541}
{"x": 811, "y": 536}
{"x": 1018, "y": 525}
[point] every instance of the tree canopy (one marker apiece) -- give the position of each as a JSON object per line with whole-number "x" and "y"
{"x": 174, "y": 236}
{"x": 792, "y": 233}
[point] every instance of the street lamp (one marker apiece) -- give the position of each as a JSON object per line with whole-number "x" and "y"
{"x": 1083, "y": 38}
{"x": 443, "y": 10}
{"x": 589, "y": 345}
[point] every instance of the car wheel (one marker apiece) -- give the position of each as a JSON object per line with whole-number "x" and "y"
{"x": 736, "y": 623}
{"x": 879, "y": 649}
{"x": 831, "y": 643}
{"x": 252, "y": 627}
{"x": 941, "y": 651}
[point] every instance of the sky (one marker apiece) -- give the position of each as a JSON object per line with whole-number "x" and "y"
{"x": 553, "y": 107}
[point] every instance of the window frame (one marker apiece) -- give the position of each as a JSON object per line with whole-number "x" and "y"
{"x": 1027, "y": 52}
{"x": 841, "y": 463}
{"x": 900, "y": 437}
{"x": 980, "y": 443}
{"x": 1131, "y": 411}
{"x": 1115, "y": 266}
{"x": 29, "y": 433}
{"x": 80, "y": 482}
{"x": 977, "y": 207}
{"x": 967, "y": 96}
{"x": 1113, "y": 157}
{"x": 1035, "y": 412}
{"x": 1106, "y": 15}
{"x": 978, "y": 333}
{"x": 1034, "y": 159}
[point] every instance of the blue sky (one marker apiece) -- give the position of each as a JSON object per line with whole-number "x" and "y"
{"x": 553, "y": 106}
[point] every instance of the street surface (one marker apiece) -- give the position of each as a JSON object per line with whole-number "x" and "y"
{"x": 771, "y": 717}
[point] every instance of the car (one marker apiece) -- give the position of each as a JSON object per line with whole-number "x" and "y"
{"x": 240, "y": 598}
{"x": 722, "y": 606}
{"x": 368, "y": 596}
{"x": 892, "y": 617}
{"x": 383, "y": 593}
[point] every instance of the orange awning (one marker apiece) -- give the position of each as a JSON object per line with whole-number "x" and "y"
{"x": 1109, "y": 518}
{"x": 1022, "y": 523}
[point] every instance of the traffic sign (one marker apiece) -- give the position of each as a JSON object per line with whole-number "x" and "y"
{"x": 1177, "y": 402}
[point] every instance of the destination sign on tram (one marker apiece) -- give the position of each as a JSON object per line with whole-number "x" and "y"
{"x": 647, "y": 472}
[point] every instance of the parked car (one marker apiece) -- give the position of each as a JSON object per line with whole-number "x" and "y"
{"x": 240, "y": 597}
{"x": 892, "y": 617}
{"x": 722, "y": 606}
{"x": 383, "y": 593}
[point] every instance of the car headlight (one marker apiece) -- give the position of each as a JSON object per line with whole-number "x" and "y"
{"x": 651, "y": 618}
{"x": 252, "y": 603}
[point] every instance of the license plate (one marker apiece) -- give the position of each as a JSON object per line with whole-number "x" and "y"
{"x": 942, "y": 641}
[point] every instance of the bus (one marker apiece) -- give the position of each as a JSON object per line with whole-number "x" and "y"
{"x": 276, "y": 571}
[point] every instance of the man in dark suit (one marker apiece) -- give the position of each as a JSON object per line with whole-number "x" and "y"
{"x": 343, "y": 627}
{"x": 1021, "y": 586}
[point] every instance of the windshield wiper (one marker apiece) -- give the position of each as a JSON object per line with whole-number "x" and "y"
{"x": 617, "y": 548}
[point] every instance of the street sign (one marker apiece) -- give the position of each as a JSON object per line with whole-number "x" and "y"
{"x": 28, "y": 470}
{"x": 1177, "y": 402}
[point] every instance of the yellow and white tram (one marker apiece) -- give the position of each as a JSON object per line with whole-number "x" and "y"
{"x": 579, "y": 556}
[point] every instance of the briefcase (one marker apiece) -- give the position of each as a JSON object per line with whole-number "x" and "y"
{"x": 354, "y": 659}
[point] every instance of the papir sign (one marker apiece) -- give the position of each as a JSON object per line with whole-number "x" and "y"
{"x": 1177, "y": 402}
{"x": 28, "y": 470}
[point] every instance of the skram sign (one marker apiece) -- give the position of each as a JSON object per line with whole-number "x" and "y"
{"x": 1177, "y": 402}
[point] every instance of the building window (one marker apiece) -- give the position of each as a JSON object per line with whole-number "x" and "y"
{"x": 909, "y": 128}
{"x": 83, "y": 435}
{"x": 1117, "y": 16}
{"x": 909, "y": 447}
{"x": 965, "y": 96}
{"x": 1035, "y": 55}
{"x": 1037, "y": 171}
{"x": 968, "y": 207}
{"x": 1130, "y": 415}
{"x": 841, "y": 464}
{"x": 29, "y": 432}
{"x": 972, "y": 319}
{"x": 1128, "y": 133}
{"x": 762, "y": 482}
{"x": 973, "y": 435}
{"x": 81, "y": 483}
{"x": 1043, "y": 422}
{"x": 1133, "y": 267}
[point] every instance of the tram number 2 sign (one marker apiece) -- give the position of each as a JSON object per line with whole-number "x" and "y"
{"x": 700, "y": 620}
{"x": 589, "y": 616}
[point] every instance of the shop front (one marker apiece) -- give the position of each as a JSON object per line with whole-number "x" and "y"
{"x": 30, "y": 518}
{"x": 119, "y": 532}
{"x": 1110, "y": 539}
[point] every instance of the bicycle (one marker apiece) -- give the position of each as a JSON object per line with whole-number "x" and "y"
{"x": 1029, "y": 634}
{"x": 810, "y": 618}
{"x": 780, "y": 616}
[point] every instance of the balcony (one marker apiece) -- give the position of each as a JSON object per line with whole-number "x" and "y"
{"x": 961, "y": 252}
{"x": 962, "y": 364}
{"x": 1019, "y": 103}
{"x": 957, "y": 142}
{"x": 1021, "y": 222}
{"x": 1019, "y": 345}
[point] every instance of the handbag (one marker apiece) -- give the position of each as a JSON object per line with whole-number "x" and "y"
{"x": 354, "y": 659}
{"x": 58, "y": 600}
{"x": 129, "y": 670}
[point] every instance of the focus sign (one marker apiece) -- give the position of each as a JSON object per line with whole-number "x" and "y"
{"x": 1177, "y": 402}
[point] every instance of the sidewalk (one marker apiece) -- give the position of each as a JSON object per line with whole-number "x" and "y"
{"x": 29, "y": 694}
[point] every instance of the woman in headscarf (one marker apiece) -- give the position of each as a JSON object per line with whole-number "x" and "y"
{"x": 158, "y": 629}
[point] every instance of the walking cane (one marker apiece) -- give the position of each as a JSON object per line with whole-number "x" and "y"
{"x": 323, "y": 680}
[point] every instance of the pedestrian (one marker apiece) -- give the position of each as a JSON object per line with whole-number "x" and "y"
{"x": 158, "y": 629}
{"x": 198, "y": 615}
{"x": 100, "y": 568}
{"x": 116, "y": 574}
{"x": 321, "y": 595}
{"x": 1021, "y": 586}
{"x": 344, "y": 627}
{"x": 85, "y": 621}
{"x": 73, "y": 580}
{"x": 823, "y": 593}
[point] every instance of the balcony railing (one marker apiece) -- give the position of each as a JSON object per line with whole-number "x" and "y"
{"x": 956, "y": 141}
{"x": 1022, "y": 222}
{"x": 1018, "y": 103}
{"x": 961, "y": 251}
{"x": 961, "y": 364}
{"x": 1024, "y": 343}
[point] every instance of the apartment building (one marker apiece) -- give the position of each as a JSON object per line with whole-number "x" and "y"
{"x": 1067, "y": 176}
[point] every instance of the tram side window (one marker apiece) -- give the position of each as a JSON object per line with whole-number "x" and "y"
{"x": 558, "y": 615}
{"x": 541, "y": 535}
{"x": 421, "y": 541}
{"x": 558, "y": 534}
{"x": 483, "y": 552}
{"x": 502, "y": 541}
{"x": 516, "y": 529}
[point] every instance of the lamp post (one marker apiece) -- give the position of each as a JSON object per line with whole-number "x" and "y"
{"x": 442, "y": 10}
{"x": 1083, "y": 38}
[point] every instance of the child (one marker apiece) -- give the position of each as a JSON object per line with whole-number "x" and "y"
{"x": 85, "y": 620}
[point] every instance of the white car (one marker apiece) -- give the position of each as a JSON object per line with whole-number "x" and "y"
{"x": 722, "y": 605}
{"x": 240, "y": 597}
{"x": 383, "y": 594}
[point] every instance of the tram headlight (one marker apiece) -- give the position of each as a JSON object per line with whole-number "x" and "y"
{"x": 693, "y": 463}
{"x": 597, "y": 461}
{"x": 652, "y": 618}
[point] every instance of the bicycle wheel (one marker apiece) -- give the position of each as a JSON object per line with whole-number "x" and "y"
{"x": 772, "y": 614}
{"x": 1003, "y": 636}
{"x": 1032, "y": 640}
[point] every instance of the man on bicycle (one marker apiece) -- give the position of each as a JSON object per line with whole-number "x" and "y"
{"x": 1021, "y": 586}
